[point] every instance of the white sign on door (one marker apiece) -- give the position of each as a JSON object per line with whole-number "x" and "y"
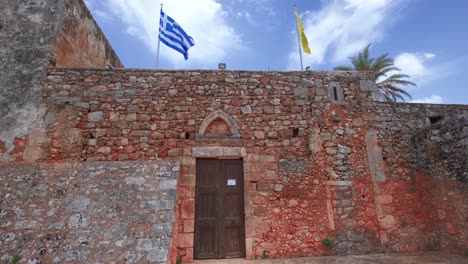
{"x": 231, "y": 182}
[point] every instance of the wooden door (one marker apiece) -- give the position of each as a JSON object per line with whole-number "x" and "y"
{"x": 219, "y": 209}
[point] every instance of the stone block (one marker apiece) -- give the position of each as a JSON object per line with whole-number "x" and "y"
{"x": 259, "y": 134}
{"x": 185, "y": 240}
{"x": 246, "y": 110}
{"x": 187, "y": 181}
{"x": 383, "y": 199}
{"x": 271, "y": 175}
{"x": 261, "y": 186}
{"x": 250, "y": 224}
{"x": 27, "y": 224}
{"x": 174, "y": 152}
{"x": 267, "y": 158}
{"x": 168, "y": 184}
{"x": 299, "y": 91}
{"x": 135, "y": 180}
{"x": 349, "y": 223}
{"x": 249, "y": 248}
{"x": 188, "y": 257}
{"x": 211, "y": 152}
{"x": 278, "y": 187}
{"x": 188, "y": 226}
{"x": 157, "y": 256}
{"x": 188, "y": 209}
{"x": 76, "y": 203}
{"x": 343, "y": 149}
{"x": 387, "y": 222}
{"x": 96, "y": 117}
{"x": 371, "y": 212}
{"x": 78, "y": 221}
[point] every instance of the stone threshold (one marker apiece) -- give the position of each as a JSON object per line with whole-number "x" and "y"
{"x": 434, "y": 257}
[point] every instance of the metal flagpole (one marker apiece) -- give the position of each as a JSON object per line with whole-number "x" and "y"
{"x": 299, "y": 41}
{"x": 159, "y": 41}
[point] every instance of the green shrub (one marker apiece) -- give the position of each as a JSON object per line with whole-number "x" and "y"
{"x": 265, "y": 254}
{"x": 328, "y": 243}
{"x": 15, "y": 259}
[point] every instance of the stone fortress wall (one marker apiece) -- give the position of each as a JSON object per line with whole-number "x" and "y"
{"x": 93, "y": 212}
{"x": 314, "y": 166}
{"x": 321, "y": 157}
{"x": 34, "y": 35}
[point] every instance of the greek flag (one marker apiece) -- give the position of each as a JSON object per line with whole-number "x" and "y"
{"x": 171, "y": 34}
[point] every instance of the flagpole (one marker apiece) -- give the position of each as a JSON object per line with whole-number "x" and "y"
{"x": 299, "y": 41}
{"x": 159, "y": 42}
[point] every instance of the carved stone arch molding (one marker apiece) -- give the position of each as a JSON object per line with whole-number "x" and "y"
{"x": 218, "y": 125}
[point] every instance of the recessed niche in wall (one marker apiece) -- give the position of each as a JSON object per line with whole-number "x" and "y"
{"x": 435, "y": 119}
{"x": 295, "y": 132}
{"x": 218, "y": 125}
{"x": 335, "y": 92}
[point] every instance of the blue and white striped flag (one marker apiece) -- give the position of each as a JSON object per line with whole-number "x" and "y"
{"x": 171, "y": 34}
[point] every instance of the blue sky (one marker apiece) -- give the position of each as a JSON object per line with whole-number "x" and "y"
{"x": 427, "y": 38}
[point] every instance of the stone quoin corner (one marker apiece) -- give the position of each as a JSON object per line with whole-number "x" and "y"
{"x": 102, "y": 164}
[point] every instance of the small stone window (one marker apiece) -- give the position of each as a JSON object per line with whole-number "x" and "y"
{"x": 295, "y": 132}
{"x": 335, "y": 93}
{"x": 435, "y": 119}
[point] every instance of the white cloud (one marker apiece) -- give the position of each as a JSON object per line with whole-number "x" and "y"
{"x": 429, "y": 55}
{"x": 104, "y": 16}
{"x": 342, "y": 28}
{"x": 433, "y": 99}
{"x": 416, "y": 65}
{"x": 263, "y": 6}
{"x": 412, "y": 64}
{"x": 246, "y": 15}
{"x": 204, "y": 20}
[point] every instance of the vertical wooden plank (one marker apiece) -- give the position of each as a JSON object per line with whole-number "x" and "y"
{"x": 207, "y": 209}
{"x": 233, "y": 241}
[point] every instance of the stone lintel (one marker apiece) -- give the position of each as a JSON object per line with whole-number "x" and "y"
{"x": 213, "y": 152}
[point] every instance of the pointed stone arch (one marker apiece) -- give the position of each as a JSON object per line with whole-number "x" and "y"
{"x": 220, "y": 125}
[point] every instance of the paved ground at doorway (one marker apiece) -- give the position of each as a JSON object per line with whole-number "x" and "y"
{"x": 400, "y": 258}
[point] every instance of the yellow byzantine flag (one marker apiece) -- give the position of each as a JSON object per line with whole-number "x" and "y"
{"x": 302, "y": 36}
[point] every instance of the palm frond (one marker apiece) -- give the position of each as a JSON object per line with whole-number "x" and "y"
{"x": 390, "y": 86}
{"x": 386, "y": 70}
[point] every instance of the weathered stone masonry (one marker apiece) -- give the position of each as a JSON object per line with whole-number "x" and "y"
{"x": 442, "y": 154}
{"x": 88, "y": 212}
{"x": 33, "y": 35}
{"x": 306, "y": 155}
{"x": 301, "y": 150}
{"x": 411, "y": 190}
{"x": 314, "y": 166}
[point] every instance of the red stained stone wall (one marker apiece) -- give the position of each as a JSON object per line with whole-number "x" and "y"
{"x": 217, "y": 127}
{"x": 80, "y": 42}
{"x": 313, "y": 167}
{"x": 418, "y": 184}
{"x": 441, "y": 152}
{"x": 59, "y": 33}
{"x": 301, "y": 151}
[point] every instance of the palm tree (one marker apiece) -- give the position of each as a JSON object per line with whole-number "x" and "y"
{"x": 386, "y": 74}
